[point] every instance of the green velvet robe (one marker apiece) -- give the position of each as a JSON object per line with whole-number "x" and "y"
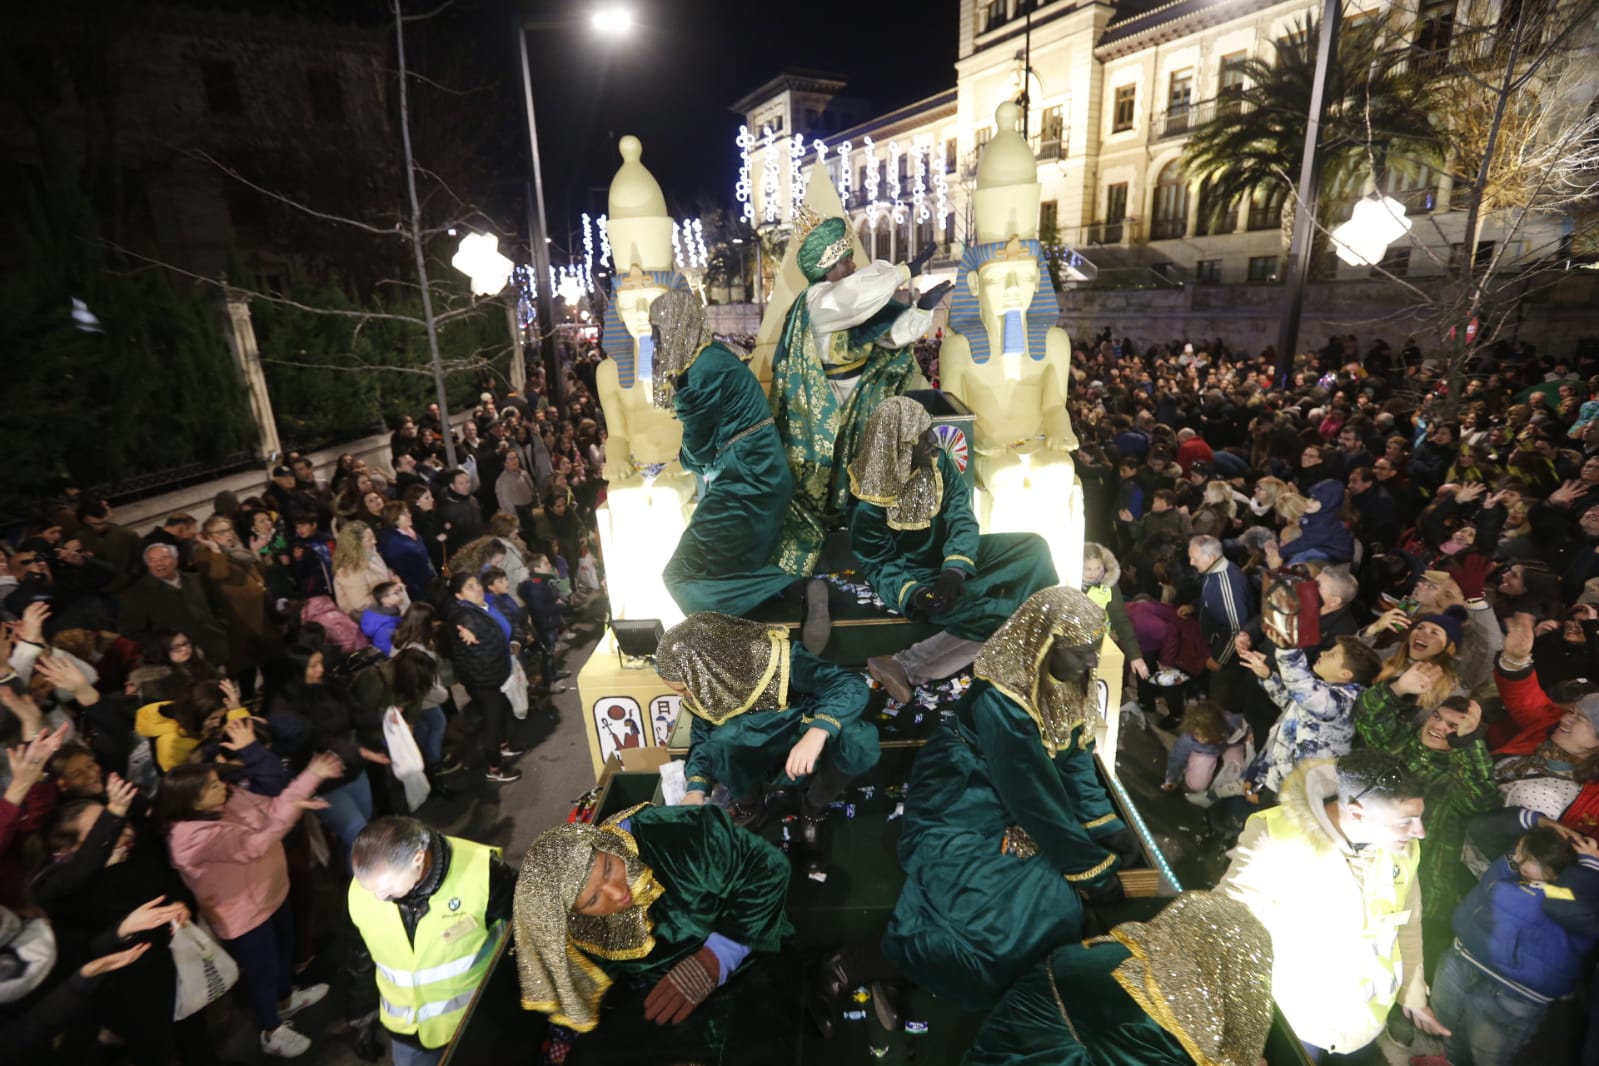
{"x": 1002, "y": 569}
{"x": 747, "y": 752}
{"x": 820, "y": 436}
{"x": 1106, "y": 1027}
{"x": 970, "y": 919}
{"x": 718, "y": 879}
{"x": 724, "y": 560}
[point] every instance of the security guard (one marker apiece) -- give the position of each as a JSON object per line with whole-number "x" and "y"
{"x": 431, "y": 909}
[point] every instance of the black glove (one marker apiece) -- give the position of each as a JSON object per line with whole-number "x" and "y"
{"x": 925, "y": 600}
{"x": 1124, "y": 843}
{"x": 923, "y": 257}
{"x": 1106, "y": 895}
{"x": 929, "y": 299}
{"x": 950, "y": 587}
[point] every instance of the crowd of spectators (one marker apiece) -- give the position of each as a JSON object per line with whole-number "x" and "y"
{"x": 199, "y": 720}
{"x": 1451, "y": 544}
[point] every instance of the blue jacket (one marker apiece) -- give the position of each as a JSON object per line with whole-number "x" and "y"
{"x": 1323, "y": 535}
{"x": 409, "y": 560}
{"x": 379, "y": 626}
{"x": 1224, "y": 606}
{"x": 1522, "y": 934}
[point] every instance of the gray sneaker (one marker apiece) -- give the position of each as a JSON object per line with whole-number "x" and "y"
{"x": 285, "y": 1042}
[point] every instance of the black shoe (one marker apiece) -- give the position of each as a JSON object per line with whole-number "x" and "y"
{"x": 812, "y": 842}
{"x": 1169, "y": 723}
{"x": 750, "y": 815}
{"x": 890, "y": 1002}
{"x": 829, "y": 984}
{"x": 818, "y": 624}
{"x": 502, "y": 775}
{"x": 509, "y": 752}
{"x": 446, "y": 766}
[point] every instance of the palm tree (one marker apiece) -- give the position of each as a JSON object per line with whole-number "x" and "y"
{"x": 1377, "y": 120}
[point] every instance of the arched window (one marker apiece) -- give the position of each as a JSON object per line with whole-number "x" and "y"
{"x": 1170, "y": 215}
{"x": 1216, "y": 216}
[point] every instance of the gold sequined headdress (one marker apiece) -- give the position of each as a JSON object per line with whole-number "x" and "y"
{"x": 684, "y": 333}
{"x": 730, "y": 665}
{"x": 1201, "y": 969}
{"x": 1014, "y": 660}
{"x": 881, "y": 472}
{"x": 555, "y": 949}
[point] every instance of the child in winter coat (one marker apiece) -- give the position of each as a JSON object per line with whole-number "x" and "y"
{"x": 379, "y": 621}
{"x": 1523, "y": 937}
{"x": 1212, "y": 741}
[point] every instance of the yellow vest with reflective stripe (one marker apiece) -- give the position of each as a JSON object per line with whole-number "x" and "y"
{"x": 1100, "y": 594}
{"x": 425, "y": 984}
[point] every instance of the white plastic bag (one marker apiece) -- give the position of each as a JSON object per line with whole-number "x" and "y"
{"x": 515, "y": 689}
{"x": 405, "y": 758}
{"x": 205, "y": 971}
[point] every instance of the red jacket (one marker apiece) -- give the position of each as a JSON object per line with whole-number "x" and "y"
{"x": 1532, "y": 717}
{"x": 1192, "y": 451}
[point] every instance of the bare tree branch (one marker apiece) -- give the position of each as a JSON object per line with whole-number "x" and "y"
{"x": 381, "y": 231}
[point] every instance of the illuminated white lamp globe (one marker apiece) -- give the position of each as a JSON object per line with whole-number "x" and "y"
{"x": 1375, "y": 223}
{"x": 479, "y": 259}
{"x": 612, "y": 20}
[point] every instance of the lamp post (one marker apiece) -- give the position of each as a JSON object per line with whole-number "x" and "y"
{"x": 1309, "y": 176}
{"x": 610, "y": 21}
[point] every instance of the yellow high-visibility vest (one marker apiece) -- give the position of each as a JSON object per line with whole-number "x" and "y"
{"x": 425, "y": 984}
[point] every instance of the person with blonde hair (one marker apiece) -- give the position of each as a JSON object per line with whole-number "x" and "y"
{"x": 358, "y": 569}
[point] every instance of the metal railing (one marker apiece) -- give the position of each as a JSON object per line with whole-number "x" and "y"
{"x": 1183, "y": 120}
{"x": 1123, "y": 232}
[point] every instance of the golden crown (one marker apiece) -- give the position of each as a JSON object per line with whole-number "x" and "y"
{"x": 806, "y": 220}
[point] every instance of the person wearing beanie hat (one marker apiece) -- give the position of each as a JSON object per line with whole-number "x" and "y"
{"x": 844, "y": 348}
{"x": 1452, "y": 621}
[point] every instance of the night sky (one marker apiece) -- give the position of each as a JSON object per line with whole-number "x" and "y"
{"x": 687, "y": 60}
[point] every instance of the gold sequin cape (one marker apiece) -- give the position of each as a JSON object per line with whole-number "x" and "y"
{"x": 680, "y": 318}
{"x": 1014, "y": 660}
{"x": 553, "y": 945}
{"x": 881, "y": 473}
{"x": 730, "y": 665}
{"x": 1202, "y": 970}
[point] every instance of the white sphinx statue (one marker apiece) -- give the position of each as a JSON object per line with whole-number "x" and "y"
{"x": 650, "y": 496}
{"x": 1006, "y": 360}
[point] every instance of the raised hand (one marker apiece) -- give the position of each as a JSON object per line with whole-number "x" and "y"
{"x": 239, "y": 734}
{"x": 63, "y": 674}
{"x": 1418, "y": 679}
{"x": 28, "y": 760}
{"x": 153, "y": 915}
{"x": 1471, "y": 573}
{"x": 803, "y": 755}
{"x": 120, "y": 794}
{"x": 34, "y": 616}
{"x": 327, "y": 766}
{"x": 1256, "y": 663}
{"x": 230, "y": 693}
{"x": 1519, "y": 636}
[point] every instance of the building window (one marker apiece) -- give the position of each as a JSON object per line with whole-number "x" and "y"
{"x": 1263, "y": 268}
{"x": 1216, "y": 216}
{"x": 1115, "y": 211}
{"x": 1230, "y": 93}
{"x": 1048, "y": 220}
{"x": 327, "y": 97}
{"x": 221, "y": 89}
{"x": 1266, "y": 207}
{"x": 860, "y": 181}
{"x": 1051, "y": 133}
{"x": 1179, "y": 97}
{"x": 1208, "y": 271}
{"x": 1485, "y": 254}
{"x": 1169, "y": 218}
{"x": 1416, "y": 188}
{"x": 884, "y": 249}
{"x": 1122, "y": 117}
{"x": 813, "y": 120}
{"x": 1435, "y": 24}
{"x": 984, "y": 135}
{"x": 993, "y": 15}
{"x": 952, "y": 155}
{"x": 1395, "y": 263}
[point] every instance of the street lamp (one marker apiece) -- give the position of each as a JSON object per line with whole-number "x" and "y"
{"x": 611, "y": 21}
{"x": 1375, "y": 223}
{"x": 479, "y": 258}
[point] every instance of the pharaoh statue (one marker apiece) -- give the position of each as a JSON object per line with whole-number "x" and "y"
{"x": 650, "y": 496}
{"x": 1007, "y": 361}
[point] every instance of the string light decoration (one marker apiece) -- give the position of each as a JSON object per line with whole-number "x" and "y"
{"x": 873, "y": 204}
{"x": 919, "y": 150}
{"x": 588, "y": 251}
{"x": 898, "y": 206}
{"x": 941, "y": 194}
{"x": 796, "y": 175}
{"x": 844, "y": 175}
{"x": 744, "y": 191}
{"x": 770, "y": 171}
{"x": 677, "y": 247}
{"x": 527, "y": 314}
{"x": 603, "y": 223}
{"x": 701, "y": 254}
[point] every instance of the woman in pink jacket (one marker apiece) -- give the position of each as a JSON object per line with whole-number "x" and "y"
{"x": 227, "y": 844}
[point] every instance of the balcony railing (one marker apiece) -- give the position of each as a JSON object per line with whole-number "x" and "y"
{"x": 1051, "y": 147}
{"x": 1180, "y": 121}
{"x": 1166, "y": 229}
{"x": 1123, "y": 232}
